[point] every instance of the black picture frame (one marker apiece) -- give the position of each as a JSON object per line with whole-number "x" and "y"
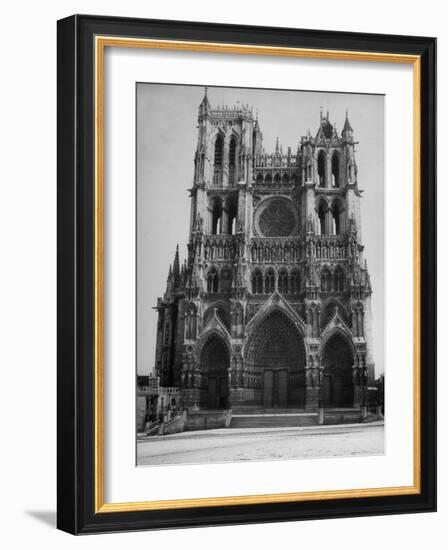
{"x": 76, "y": 255}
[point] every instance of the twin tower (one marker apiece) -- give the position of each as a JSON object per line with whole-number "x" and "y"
{"x": 272, "y": 307}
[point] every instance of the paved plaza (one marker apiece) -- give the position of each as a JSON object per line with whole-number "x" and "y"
{"x": 233, "y": 445}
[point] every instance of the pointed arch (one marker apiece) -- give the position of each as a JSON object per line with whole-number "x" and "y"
{"x": 212, "y": 280}
{"x": 338, "y": 279}
{"x": 216, "y": 215}
{"x": 225, "y": 280}
{"x": 329, "y": 310}
{"x": 275, "y": 355}
{"x": 283, "y": 283}
{"x": 294, "y": 286}
{"x": 232, "y": 213}
{"x": 214, "y": 363}
{"x": 321, "y": 168}
{"x": 222, "y": 313}
{"x": 323, "y": 214}
{"x": 337, "y": 217}
{"x": 219, "y": 149}
{"x": 277, "y": 179}
{"x": 337, "y": 355}
{"x": 325, "y": 280}
{"x": 232, "y": 159}
{"x": 218, "y": 159}
{"x": 257, "y": 282}
{"x": 335, "y": 170}
{"x": 268, "y": 179}
{"x": 269, "y": 280}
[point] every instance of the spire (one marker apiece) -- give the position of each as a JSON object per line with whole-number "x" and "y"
{"x": 277, "y": 146}
{"x": 205, "y": 106}
{"x": 176, "y": 268}
{"x": 347, "y": 126}
{"x": 326, "y": 128}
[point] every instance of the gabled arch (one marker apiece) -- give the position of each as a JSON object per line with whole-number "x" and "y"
{"x": 337, "y": 356}
{"x": 276, "y": 350}
{"x": 279, "y": 313}
{"x": 222, "y": 312}
{"x": 329, "y": 309}
{"x": 276, "y": 303}
{"x": 341, "y": 331}
{"x": 214, "y": 361}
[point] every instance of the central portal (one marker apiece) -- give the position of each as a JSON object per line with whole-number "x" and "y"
{"x": 275, "y": 388}
{"x": 276, "y": 358}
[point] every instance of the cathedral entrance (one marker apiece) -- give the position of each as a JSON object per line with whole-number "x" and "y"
{"x": 214, "y": 366}
{"x": 275, "y": 388}
{"x": 276, "y": 358}
{"x": 337, "y": 387}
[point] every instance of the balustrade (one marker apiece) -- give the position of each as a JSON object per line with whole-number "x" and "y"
{"x": 278, "y": 250}
{"x": 221, "y": 247}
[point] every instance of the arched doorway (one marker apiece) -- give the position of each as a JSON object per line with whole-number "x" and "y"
{"x": 337, "y": 359}
{"x": 275, "y": 358}
{"x": 214, "y": 366}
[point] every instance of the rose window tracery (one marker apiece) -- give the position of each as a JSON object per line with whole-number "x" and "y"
{"x": 277, "y": 219}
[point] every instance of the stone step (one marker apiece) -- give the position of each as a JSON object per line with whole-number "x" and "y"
{"x": 262, "y": 410}
{"x": 273, "y": 420}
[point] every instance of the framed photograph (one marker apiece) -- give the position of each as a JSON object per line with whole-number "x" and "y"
{"x": 246, "y": 274}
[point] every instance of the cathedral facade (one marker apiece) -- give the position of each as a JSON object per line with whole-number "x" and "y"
{"x": 271, "y": 309}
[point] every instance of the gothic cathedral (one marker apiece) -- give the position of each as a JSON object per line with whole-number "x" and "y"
{"x": 272, "y": 307}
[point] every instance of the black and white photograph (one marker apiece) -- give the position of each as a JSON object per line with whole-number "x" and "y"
{"x": 260, "y": 274}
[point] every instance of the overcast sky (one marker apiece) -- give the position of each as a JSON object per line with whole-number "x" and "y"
{"x": 166, "y": 143}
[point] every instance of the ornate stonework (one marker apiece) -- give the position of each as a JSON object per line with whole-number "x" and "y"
{"x": 277, "y": 219}
{"x": 272, "y": 306}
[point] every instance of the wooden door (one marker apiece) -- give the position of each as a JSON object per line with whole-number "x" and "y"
{"x": 212, "y": 393}
{"x": 282, "y": 389}
{"x": 339, "y": 391}
{"x": 268, "y": 386}
{"x": 327, "y": 390}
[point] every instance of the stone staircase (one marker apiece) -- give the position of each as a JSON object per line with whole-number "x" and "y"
{"x": 275, "y": 419}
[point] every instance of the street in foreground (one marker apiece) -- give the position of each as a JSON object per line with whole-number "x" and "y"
{"x": 232, "y": 445}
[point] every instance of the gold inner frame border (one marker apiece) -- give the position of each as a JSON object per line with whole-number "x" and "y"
{"x": 100, "y": 44}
